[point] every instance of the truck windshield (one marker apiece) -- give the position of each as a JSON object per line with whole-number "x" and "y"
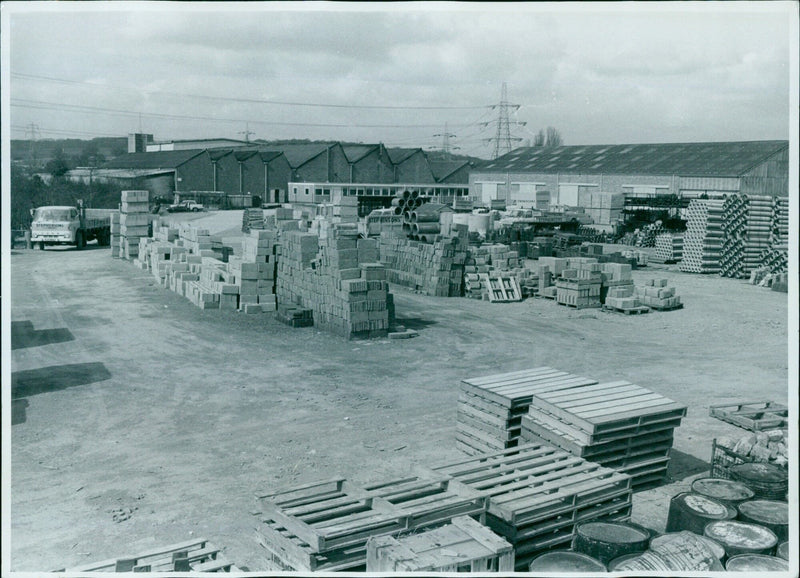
{"x": 51, "y": 214}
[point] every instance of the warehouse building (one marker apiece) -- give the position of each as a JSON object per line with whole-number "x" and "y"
{"x": 688, "y": 169}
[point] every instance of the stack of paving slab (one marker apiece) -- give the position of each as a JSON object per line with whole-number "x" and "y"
{"x": 435, "y": 269}
{"x": 702, "y": 242}
{"x": 776, "y": 256}
{"x": 669, "y": 248}
{"x": 116, "y": 242}
{"x": 747, "y": 224}
{"x": 623, "y": 298}
{"x": 490, "y": 409}
{"x": 325, "y": 526}
{"x": 657, "y": 294}
{"x": 339, "y": 278}
{"x": 538, "y": 494}
{"x": 134, "y": 219}
{"x": 617, "y": 424}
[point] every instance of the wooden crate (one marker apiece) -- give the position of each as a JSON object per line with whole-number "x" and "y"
{"x": 464, "y": 545}
{"x": 195, "y": 556}
{"x": 537, "y": 493}
{"x": 752, "y": 415}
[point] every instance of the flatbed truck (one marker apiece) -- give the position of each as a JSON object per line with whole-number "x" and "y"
{"x": 65, "y": 225}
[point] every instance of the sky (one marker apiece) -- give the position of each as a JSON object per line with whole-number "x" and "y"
{"x": 404, "y": 75}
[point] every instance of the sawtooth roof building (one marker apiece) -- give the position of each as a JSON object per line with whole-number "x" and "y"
{"x": 751, "y": 167}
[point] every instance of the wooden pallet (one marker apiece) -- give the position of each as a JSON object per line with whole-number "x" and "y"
{"x": 200, "y": 555}
{"x": 336, "y": 515}
{"x": 752, "y": 415}
{"x": 673, "y": 308}
{"x": 627, "y": 310}
{"x": 502, "y": 288}
{"x": 607, "y": 407}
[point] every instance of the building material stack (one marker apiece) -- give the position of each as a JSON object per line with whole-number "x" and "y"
{"x": 254, "y": 273}
{"x": 702, "y": 242}
{"x": 134, "y": 219}
{"x": 252, "y": 219}
{"x": 618, "y": 276}
{"x": 325, "y": 526}
{"x": 624, "y": 299}
{"x": 669, "y": 248}
{"x": 538, "y": 494}
{"x": 747, "y": 225}
{"x": 617, "y": 424}
{"x": 464, "y": 545}
{"x": 435, "y": 269}
{"x": 580, "y": 287}
{"x": 116, "y": 243}
{"x": 490, "y": 409}
{"x": 776, "y": 255}
{"x": 657, "y": 294}
{"x": 490, "y": 264}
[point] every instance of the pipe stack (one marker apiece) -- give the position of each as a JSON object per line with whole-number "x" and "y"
{"x": 776, "y": 256}
{"x": 747, "y": 224}
{"x": 702, "y": 242}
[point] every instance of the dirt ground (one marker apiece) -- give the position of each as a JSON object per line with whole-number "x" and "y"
{"x": 148, "y": 421}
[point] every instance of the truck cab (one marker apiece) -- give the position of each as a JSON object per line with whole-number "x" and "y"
{"x": 64, "y": 225}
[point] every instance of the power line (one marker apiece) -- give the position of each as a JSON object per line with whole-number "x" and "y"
{"x": 243, "y": 100}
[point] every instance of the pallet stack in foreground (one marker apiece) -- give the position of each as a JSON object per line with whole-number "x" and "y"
{"x": 325, "y": 526}
{"x": 617, "y": 424}
{"x": 538, "y": 493}
{"x": 702, "y": 242}
{"x": 134, "y": 218}
{"x": 490, "y": 409}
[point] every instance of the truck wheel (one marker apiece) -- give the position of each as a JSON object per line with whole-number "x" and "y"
{"x": 80, "y": 242}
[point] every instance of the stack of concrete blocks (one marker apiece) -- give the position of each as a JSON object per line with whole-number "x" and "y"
{"x": 254, "y": 273}
{"x": 579, "y": 286}
{"x": 622, "y": 297}
{"x": 435, "y": 269}
{"x": 604, "y": 208}
{"x": 134, "y": 219}
{"x": 548, "y": 270}
{"x": 115, "y": 236}
{"x": 492, "y": 258}
{"x": 276, "y": 218}
{"x": 339, "y": 278}
{"x": 345, "y": 210}
{"x": 657, "y": 294}
{"x": 615, "y": 276}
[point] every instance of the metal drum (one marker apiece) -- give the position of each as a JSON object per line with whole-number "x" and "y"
{"x": 566, "y": 561}
{"x": 741, "y": 538}
{"x": 727, "y": 492}
{"x": 608, "y": 540}
{"x": 612, "y": 566}
{"x": 756, "y": 563}
{"x": 768, "y": 513}
{"x": 690, "y": 511}
{"x": 715, "y": 547}
{"x": 768, "y": 481}
{"x": 782, "y": 551}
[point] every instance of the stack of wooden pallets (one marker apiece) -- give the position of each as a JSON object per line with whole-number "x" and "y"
{"x": 537, "y": 494}
{"x": 617, "y": 424}
{"x": 325, "y": 526}
{"x": 490, "y": 409}
{"x": 193, "y": 556}
{"x": 702, "y": 242}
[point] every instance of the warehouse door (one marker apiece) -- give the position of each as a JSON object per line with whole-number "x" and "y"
{"x": 488, "y": 192}
{"x": 568, "y": 195}
{"x": 523, "y": 192}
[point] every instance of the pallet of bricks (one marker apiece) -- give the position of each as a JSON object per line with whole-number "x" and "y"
{"x": 435, "y": 269}
{"x": 339, "y": 278}
{"x": 579, "y": 286}
{"x": 703, "y": 239}
{"x": 193, "y": 556}
{"x": 538, "y": 493}
{"x": 325, "y": 526}
{"x": 747, "y": 224}
{"x": 134, "y": 218}
{"x": 490, "y": 409}
{"x": 617, "y": 424}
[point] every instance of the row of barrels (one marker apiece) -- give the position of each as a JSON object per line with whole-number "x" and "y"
{"x": 719, "y": 525}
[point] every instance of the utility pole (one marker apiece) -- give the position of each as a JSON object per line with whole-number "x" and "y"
{"x": 446, "y": 136}
{"x": 503, "y": 139}
{"x": 246, "y": 132}
{"x": 32, "y": 130}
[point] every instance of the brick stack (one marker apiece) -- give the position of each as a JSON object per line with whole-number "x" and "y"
{"x": 580, "y": 288}
{"x": 255, "y": 271}
{"x": 116, "y": 242}
{"x": 657, "y": 294}
{"x": 347, "y": 293}
{"x": 134, "y": 219}
{"x": 622, "y": 297}
{"x": 490, "y": 409}
{"x": 702, "y": 242}
{"x": 618, "y": 276}
{"x": 617, "y": 424}
{"x": 435, "y": 269}
{"x": 669, "y": 248}
{"x": 252, "y": 219}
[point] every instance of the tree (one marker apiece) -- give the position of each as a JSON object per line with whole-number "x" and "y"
{"x": 57, "y": 166}
{"x": 539, "y": 139}
{"x": 549, "y": 138}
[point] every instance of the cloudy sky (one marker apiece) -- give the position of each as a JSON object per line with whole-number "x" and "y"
{"x": 399, "y": 74}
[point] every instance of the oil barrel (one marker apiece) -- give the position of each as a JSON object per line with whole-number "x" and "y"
{"x": 690, "y": 511}
{"x": 648, "y": 561}
{"x": 612, "y": 566}
{"x": 566, "y": 561}
{"x": 741, "y": 537}
{"x": 727, "y": 492}
{"x": 756, "y": 563}
{"x": 782, "y": 551}
{"x": 715, "y": 547}
{"x": 768, "y": 513}
{"x": 608, "y": 540}
{"x": 768, "y": 481}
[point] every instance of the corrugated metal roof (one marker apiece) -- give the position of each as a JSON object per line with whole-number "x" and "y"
{"x": 443, "y": 169}
{"x": 730, "y": 159}
{"x": 355, "y": 153}
{"x": 154, "y": 160}
{"x": 398, "y": 155}
{"x": 300, "y": 154}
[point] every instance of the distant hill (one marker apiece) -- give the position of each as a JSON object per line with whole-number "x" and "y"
{"x": 73, "y": 148}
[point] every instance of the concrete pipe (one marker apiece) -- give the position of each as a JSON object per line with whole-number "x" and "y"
{"x": 414, "y": 194}
{"x": 398, "y": 202}
{"x": 425, "y": 228}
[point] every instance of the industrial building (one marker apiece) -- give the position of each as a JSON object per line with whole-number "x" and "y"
{"x": 682, "y": 169}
